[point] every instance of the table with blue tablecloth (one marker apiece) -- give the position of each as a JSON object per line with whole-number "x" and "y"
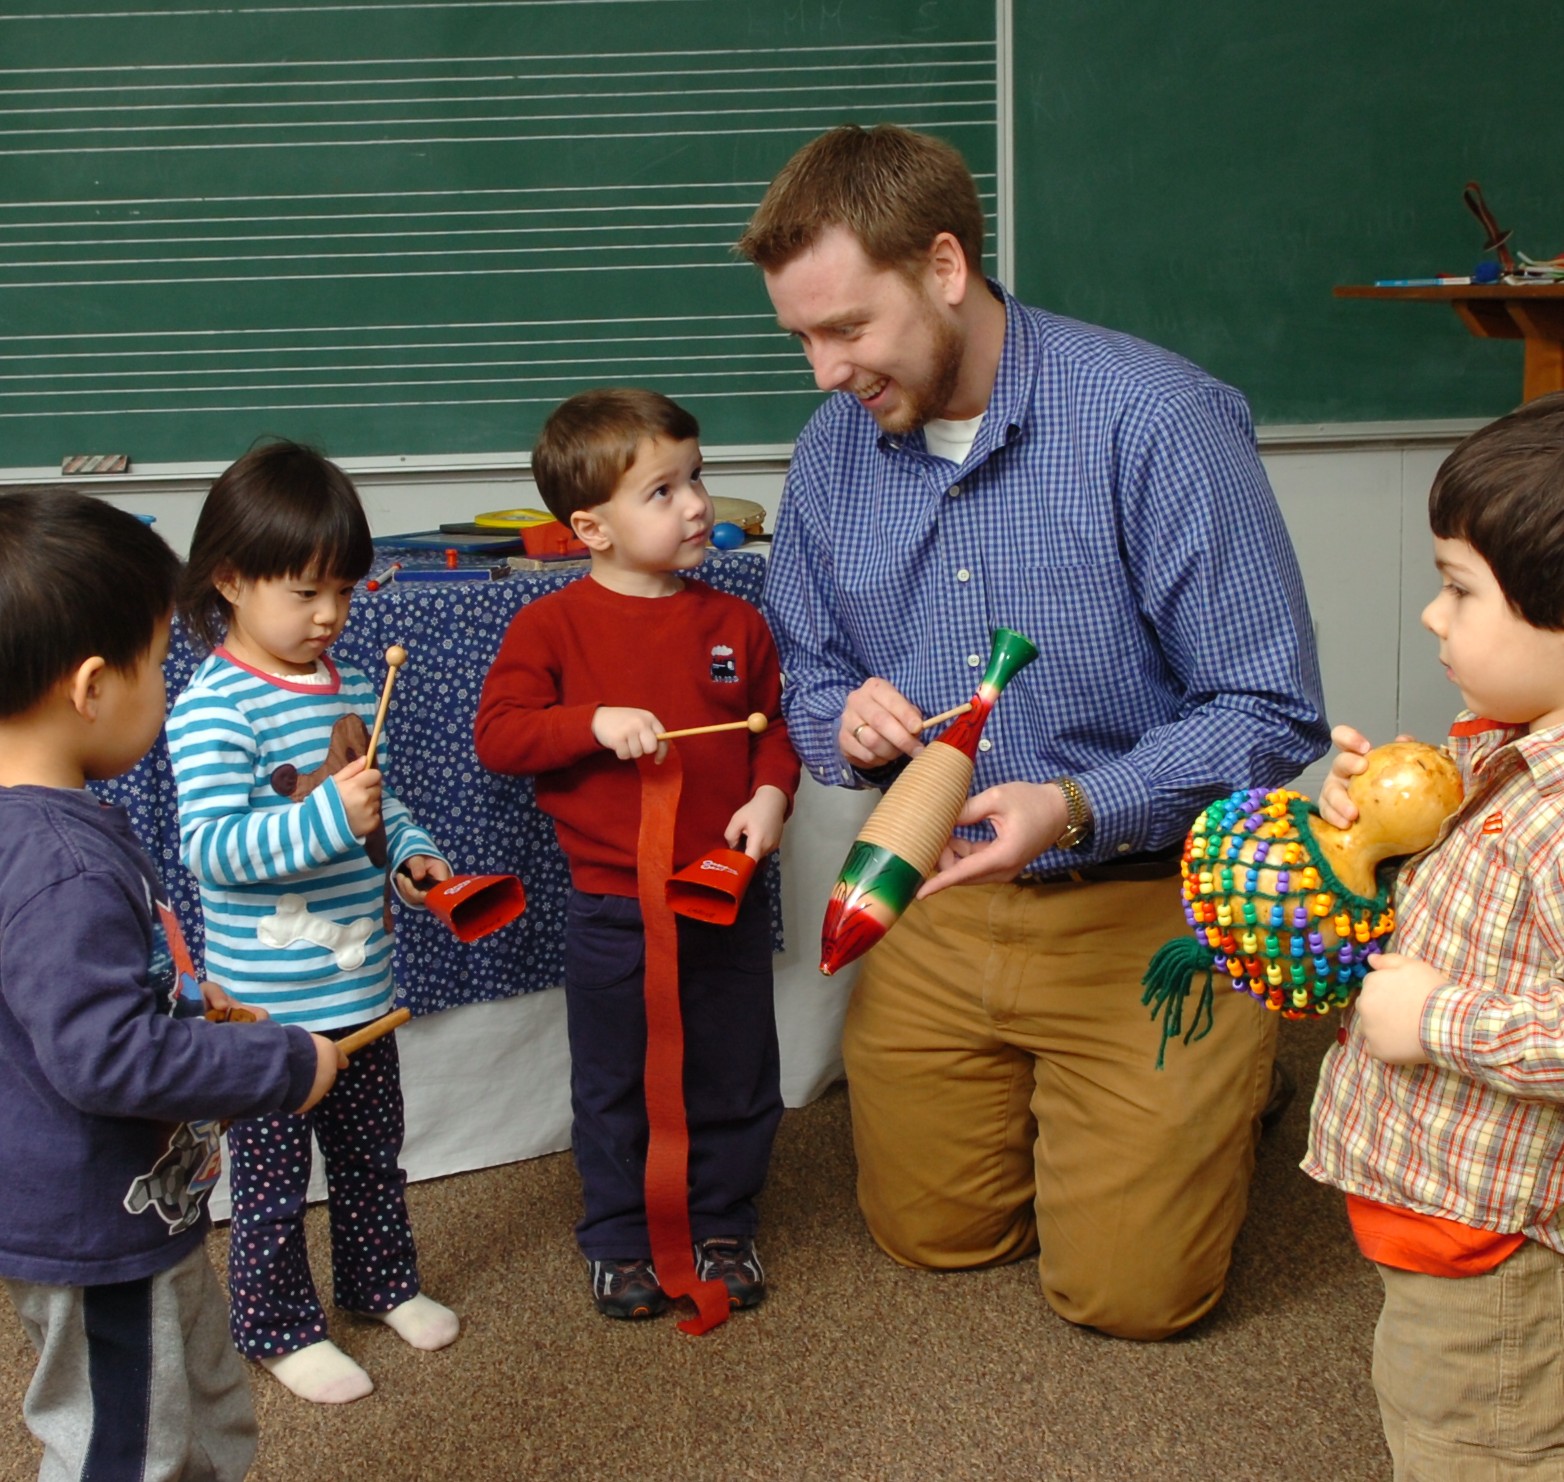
{"x": 485, "y": 1063}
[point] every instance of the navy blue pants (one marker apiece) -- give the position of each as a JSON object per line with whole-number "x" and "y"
{"x": 274, "y": 1307}
{"x": 732, "y": 1073}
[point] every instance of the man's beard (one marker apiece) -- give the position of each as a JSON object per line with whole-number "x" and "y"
{"x": 929, "y": 398}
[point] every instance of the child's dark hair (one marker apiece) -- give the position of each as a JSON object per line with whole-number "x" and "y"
{"x": 1502, "y": 492}
{"x": 283, "y": 510}
{"x": 78, "y": 579}
{"x": 590, "y": 440}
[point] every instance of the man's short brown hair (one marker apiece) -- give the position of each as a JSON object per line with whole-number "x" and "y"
{"x": 591, "y": 439}
{"x": 893, "y": 189}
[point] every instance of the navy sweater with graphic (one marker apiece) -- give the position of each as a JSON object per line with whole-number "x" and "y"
{"x": 109, "y": 1080}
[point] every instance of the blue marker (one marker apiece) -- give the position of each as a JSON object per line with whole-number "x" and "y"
{"x": 1420, "y": 282}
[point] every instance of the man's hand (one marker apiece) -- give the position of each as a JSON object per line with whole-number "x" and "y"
{"x": 878, "y": 724}
{"x": 1026, "y": 817}
{"x": 1390, "y": 1007}
{"x": 628, "y": 733}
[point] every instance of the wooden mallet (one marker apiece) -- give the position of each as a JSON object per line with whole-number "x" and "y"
{"x": 944, "y": 715}
{"x": 373, "y": 1030}
{"x": 396, "y": 656}
{"x": 756, "y": 723}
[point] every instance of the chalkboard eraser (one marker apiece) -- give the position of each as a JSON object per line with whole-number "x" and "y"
{"x": 82, "y": 463}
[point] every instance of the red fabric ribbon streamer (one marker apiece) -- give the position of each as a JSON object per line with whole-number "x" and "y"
{"x": 668, "y": 1142}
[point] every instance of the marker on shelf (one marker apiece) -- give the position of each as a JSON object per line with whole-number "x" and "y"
{"x": 1443, "y": 281}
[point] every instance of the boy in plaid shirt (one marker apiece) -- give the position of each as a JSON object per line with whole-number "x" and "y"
{"x": 1441, "y": 1112}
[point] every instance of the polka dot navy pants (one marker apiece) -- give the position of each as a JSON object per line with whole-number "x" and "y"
{"x": 274, "y": 1308}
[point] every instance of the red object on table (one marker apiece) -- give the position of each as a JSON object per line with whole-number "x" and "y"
{"x": 551, "y": 538}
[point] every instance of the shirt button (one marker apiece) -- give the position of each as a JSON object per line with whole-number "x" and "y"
{"x": 1124, "y": 848}
{"x": 985, "y": 744}
{"x": 973, "y": 661}
{"x": 963, "y": 575}
{"x": 955, "y": 491}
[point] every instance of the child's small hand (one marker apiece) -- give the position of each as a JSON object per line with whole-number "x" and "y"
{"x": 628, "y": 733}
{"x": 418, "y": 875}
{"x": 359, "y": 786}
{"x": 328, "y": 1061}
{"x": 1390, "y": 1007}
{"x": 759, "y": 822}
{"x": 221, "y": 1008}
{"x": 1335, "y": 805}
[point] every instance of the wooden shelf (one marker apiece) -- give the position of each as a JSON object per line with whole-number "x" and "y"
{"x": 1531, "y": 312}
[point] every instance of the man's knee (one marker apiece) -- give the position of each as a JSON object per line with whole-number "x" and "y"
{"x": 1141, "y": 1311}
{"x": 929, "y": 1236}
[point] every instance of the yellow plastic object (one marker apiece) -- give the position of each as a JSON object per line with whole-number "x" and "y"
{"x": 512, "y": 519}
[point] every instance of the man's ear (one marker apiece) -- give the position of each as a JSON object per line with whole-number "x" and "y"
{"x": 949, "y": 269}
{"x": 85, "y": 686}
{"x": 590, "y": 529}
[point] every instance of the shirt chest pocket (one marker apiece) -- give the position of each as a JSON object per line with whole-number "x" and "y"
{"x": 1085, "y": 618}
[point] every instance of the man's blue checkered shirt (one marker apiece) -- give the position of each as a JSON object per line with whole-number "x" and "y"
{"x": 1114, "y": 510}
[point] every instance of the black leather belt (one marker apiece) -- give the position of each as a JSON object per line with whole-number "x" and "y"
{"x": 1160, "y": 866}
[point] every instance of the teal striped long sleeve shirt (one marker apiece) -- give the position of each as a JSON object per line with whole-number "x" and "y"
{"x": 294, "y": 909}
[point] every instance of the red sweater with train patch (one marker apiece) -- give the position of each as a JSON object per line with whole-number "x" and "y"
{"x": 699, "y": 657}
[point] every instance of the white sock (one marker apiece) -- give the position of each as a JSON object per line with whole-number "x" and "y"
{"x": 422, "y": 1321}
{"x": 322, "y": 1373}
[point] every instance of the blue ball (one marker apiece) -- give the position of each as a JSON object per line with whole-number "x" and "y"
{"x": 726, "y": 536}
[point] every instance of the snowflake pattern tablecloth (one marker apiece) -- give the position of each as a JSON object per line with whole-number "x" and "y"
{"x": 486, "y": 824}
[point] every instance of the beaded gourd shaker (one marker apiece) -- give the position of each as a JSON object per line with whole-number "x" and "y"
{"x": 1288, "y": 907}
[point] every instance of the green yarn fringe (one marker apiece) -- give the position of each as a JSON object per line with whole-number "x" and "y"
{"x": 1168, "y": 981}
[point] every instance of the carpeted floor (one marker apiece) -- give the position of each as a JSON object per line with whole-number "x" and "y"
{"x": 855, "y": 1369}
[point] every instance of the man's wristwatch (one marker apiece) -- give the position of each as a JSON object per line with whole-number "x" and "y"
{"x": 1078, "y": 822}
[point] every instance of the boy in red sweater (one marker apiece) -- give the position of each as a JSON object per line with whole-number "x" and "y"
{"x": 584, "y": 681}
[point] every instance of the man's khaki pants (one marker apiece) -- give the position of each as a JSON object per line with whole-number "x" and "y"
{"x": 1005, "y": 1099}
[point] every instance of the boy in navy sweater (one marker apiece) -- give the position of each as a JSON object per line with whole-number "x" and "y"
{"x": 110, "y": 1077}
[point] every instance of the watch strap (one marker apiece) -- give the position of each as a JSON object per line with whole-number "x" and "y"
{"x": 1078, "y": 819}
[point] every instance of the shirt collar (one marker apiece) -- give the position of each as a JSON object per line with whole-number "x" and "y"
{"x": 1479, "y": 742}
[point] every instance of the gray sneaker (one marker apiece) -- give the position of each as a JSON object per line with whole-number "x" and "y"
{"x": 627, "y": 1288}
{"x": 734, "y": 1263}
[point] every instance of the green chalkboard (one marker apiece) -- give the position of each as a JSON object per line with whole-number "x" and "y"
{"x": 1204, "y": 174}
{"x": 400, "y": 227}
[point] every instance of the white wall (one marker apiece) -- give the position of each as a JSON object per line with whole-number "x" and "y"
{"x": 1358, "y": 518}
